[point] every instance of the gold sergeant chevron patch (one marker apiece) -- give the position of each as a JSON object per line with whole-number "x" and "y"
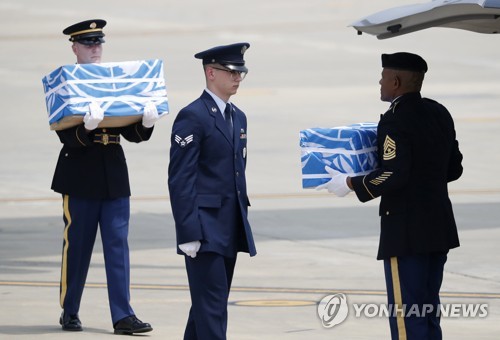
{"x": 381, "y": 179}
{"x": 389, "y": 148}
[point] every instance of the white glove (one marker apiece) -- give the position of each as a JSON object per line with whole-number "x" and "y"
{"x": 150, "y": 115}
{"x": 94, "y": 116}
{"x": 337, "y": 185}
{"x": 190, "y": 248}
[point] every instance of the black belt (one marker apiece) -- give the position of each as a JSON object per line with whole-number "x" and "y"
{"x": 104, "y": 138}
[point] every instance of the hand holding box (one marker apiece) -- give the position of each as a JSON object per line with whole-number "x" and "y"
{"x": 121, "y": 89}
{"x": 348, "y": 149}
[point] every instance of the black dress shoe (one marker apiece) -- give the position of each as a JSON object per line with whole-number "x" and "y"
{"x": 131, "y": 325}
{"x": 70, "y": 322}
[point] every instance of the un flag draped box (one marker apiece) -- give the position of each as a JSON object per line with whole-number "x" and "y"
{"x": 122, "y": 89}
{"x": 349, "y": 149}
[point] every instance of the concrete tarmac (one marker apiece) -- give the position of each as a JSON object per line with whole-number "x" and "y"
{"x": 307, "y": 69}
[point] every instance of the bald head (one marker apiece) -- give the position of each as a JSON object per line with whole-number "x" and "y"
{"x": 395, "y": 83}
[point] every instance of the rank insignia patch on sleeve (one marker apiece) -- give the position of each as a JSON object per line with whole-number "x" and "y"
{"x": 381, "y": 179}
{"x": 183, "y": 141}
{"x": 389, "y": 148}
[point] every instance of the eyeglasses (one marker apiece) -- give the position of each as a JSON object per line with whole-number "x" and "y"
{"x": 234, "y": 74}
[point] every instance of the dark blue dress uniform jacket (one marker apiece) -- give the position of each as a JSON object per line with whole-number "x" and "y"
{"x": 207, "y": 179}
{"x": 95, "y": 171}
{"x": 418, "y": 156}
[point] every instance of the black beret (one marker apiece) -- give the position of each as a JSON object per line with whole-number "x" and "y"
{"x": 231, "y": 56}
{"x": 404, "y": 61}
{"x": 88, "y": 32}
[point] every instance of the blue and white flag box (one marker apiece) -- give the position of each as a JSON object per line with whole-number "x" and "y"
{"x": 122, "y": 89}
{"x": 349, "y": 149}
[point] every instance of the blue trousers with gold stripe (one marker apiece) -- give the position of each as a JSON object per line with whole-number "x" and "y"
{"x": 413, "y": 284}
{"x": 82, "y": 218}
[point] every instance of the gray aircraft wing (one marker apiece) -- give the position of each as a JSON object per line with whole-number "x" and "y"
{"x": 482, "y": 16}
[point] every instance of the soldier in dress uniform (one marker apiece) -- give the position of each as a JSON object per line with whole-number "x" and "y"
{"x": 208, "y": 190}
{"x": 91, "y": 174}
{"x": 418, "y": 156}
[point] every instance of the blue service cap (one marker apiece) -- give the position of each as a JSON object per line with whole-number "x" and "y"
{"x": 88, "y": 32}
{"x": 404, "y": 61}
{"x": 230, "y": 56}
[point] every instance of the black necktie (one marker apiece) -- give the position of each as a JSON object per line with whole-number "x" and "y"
{"x": 227, "y": 117}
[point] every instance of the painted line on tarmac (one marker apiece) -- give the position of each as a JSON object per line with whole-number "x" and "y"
{"x": 468, "y": 295}
{"x": 273, "y": 303}
{"x": 492, "y": 191}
